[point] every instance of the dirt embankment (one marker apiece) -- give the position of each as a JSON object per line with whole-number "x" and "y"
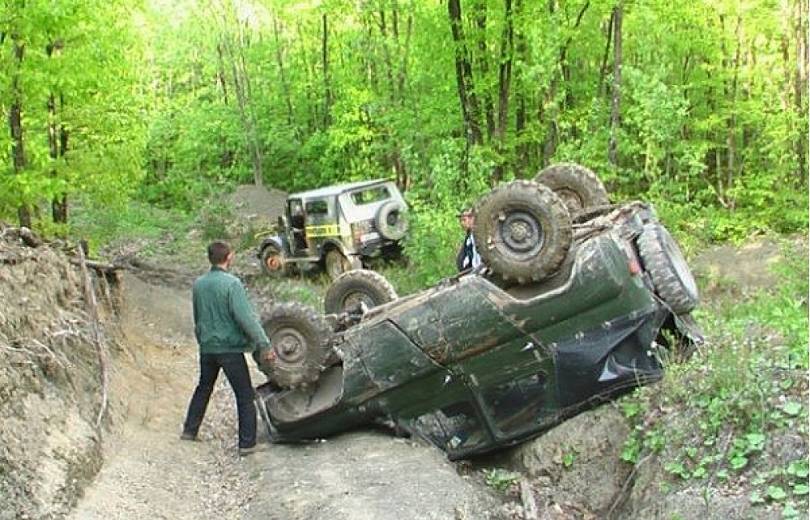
{"x": 50, "y": 391}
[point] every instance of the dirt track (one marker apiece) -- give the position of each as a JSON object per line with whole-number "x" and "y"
{"x": 150, "y": 473}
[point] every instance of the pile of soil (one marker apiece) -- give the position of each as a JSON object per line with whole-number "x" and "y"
{"x": 50, "y": 385}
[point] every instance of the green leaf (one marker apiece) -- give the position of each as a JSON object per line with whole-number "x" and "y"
{"x": 792, "y": 408}
{"x": 799, "y": 468}
{"x": 790, "y": 512}
{"x": 776, "y": 493}
{"x": 756, "y": 498}
{"x": 800, "y": 489}
{"x": 738, "y": 462}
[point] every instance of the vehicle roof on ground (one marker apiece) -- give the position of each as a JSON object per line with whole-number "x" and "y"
{"x": 335, "y": 189}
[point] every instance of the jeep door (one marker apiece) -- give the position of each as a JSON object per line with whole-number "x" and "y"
{"x": 509, "y": 371}
{"x": 296, "y": 232}
{"x": 422, "y": 395}
{"x": 321, "y": 223}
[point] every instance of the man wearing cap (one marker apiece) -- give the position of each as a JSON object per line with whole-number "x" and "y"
{"x": 467, "y": 257}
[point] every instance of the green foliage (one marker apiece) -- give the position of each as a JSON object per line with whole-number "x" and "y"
{"x": 500, "y": 479}
{"x": 133, "y": 225}
{"x": 435, "y": 234}
{"x": 172, "y": 113}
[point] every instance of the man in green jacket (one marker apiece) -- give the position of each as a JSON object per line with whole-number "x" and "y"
{"x": 226, "y": 328}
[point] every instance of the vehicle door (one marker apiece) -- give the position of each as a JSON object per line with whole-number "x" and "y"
{"x": 297, "y": 231}
{"x": 321, "y": 223}
{"x": 507, "y": 367}
{"x": 419, "y": 393}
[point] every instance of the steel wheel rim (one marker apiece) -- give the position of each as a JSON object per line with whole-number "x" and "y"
{"x": 521, "y": 233}
{"x": 571, "y": 199}
{"x": 273, "y": 262}
{"x": 358, "y": 299}
{"x": 290, "y": 345}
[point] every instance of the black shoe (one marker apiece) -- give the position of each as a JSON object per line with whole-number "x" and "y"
{"x": 256, "y": 448}
{"x": 186, "y": 436}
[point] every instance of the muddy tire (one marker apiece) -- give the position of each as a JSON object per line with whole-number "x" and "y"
{"x": 578, "y": 187}
{"x": 274, "y": 261}
{"x": 301, "y": 339}
{"x": 522, "y": 231}
{"x": 668, "y": 270}
{"x": 361, "y": 288}
{"x": 391, "y": 221}
{"x": 335, "y": 263}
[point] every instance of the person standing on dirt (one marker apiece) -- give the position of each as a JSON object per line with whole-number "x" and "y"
{"x": 467, "y": 257}
{"x": 226, "y": 328}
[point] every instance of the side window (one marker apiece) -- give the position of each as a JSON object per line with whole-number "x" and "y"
{"x": 520, "y": 404}
{"x": 370, "y": 195}
{"x": 296, "y": 213}
{"x": 456, "y": 427}
{"x": 317, "y": 208}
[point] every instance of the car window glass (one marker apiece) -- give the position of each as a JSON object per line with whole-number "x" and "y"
{"x": 370, "y": 195}
{"x": 519, "y": 405}
{"x": 456, "y": 427}
{"x": 317, "y": 207}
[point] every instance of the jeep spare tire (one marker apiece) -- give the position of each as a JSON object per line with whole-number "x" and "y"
{"x": 578, "y": 187}
{"x": 391, "y": 221}
{"x": 522, "y": 231}
{"x": 358, "y": 290}
{"x": 300, "y": 338}
{"x": 668, "y": 270}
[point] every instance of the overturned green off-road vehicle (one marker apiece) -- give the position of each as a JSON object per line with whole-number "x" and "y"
{"x": 577, "y": 301}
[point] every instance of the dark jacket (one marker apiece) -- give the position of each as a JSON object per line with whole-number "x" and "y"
{"x": 224, "y": 320}
{"x": 467, "y": 256}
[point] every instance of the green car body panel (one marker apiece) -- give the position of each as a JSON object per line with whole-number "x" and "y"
{"x": 472, "y": 366}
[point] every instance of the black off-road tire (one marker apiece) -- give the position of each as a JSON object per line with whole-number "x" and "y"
{"x": 391, "y": 222}
{"x": 269, "y": 253}
{"x": 301, "y": 339}
{"x": 355, "y": 288}
{"x": 522, "y": 231}
{"x": 668, "y": 270}
{"x": 578, "y": 187}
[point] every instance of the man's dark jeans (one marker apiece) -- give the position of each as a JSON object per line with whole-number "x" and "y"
{"x": 236, "y": 370}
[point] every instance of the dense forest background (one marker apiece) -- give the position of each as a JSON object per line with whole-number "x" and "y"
{"x": 698, "y": 105}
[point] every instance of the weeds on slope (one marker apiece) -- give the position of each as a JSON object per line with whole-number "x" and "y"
{"x": 725, "y": 417}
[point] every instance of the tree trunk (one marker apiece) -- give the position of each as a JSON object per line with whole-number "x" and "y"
{"x": 327, "y": 88}
{"x": 731, "y": 124}
{"x": 57, "y": 135}
{"x": 603, "y": 68}
{"x": 504, "y": 83}
{"x": 466, "y": 90}
{"x": 309, "y": 68}
{"x": 221, "y": 74}
{"x": 389, "y": 67}
{"x": 800, "y": 89}
{"x": 615, "y": 109}
{"x": 403, "y": 71}
{"x": 240, "y": 84}
{"x": 522, "y": 158}
{"x": 16, "y": 126}
{"x": 281, "y": 73}
{"x": 480, "y": 8}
